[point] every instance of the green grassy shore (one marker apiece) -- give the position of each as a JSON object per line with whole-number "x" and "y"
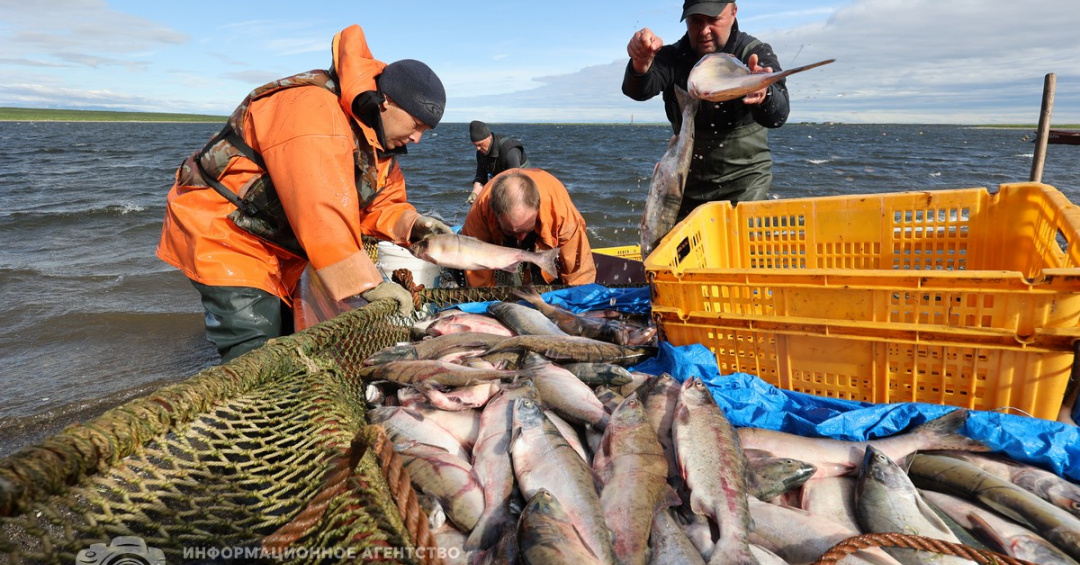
{"x": 49, "y": 115}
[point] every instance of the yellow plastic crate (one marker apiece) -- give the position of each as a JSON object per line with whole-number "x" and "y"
{"x": 857, "y": 296}
{"x": 631, "y": 252}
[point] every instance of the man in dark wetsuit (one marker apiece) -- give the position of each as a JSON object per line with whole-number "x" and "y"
{"x": 494, "y": 154}
{"x": 731, "y": 149}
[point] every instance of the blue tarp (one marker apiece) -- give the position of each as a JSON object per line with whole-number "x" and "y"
{"x": 749, "y": 401}
{"x": 586, "y": 297}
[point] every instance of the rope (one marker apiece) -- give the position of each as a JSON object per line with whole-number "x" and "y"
{"x": 893, "y": 539}
{"x": 416, "y": 522}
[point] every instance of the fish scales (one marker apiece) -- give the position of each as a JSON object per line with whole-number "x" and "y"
{"x": 958, "y": 477}
{"x": 669, "y": 179}
{"x": 714, "y": 468}
{"x": 636, "y": 485}
{"x": 470, "y": 254}
{"x": 542, "y": 459}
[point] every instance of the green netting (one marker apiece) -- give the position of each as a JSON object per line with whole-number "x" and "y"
{"x": 261, "y": 446}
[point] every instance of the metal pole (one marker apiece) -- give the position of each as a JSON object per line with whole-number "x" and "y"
{"x": 1044, "y": 128}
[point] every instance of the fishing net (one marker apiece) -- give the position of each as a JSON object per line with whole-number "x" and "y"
{"x": 267, "y": 458}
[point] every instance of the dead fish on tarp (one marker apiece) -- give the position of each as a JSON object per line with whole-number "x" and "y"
{"x": 960, "y": 478}
{"x": 669, "y": 178}
{"x": 604, "y": 329}
{"x": 440, "y": 372}
{"x": 887, "y": 501}
{"x": 834, "y": 457}
{"x": 574, "y": 349}
{"x": 719, "y": 77}
{"x": 435, "y": 347}
{"x": 471, "y": 254}
{"x": 523, "y": 320}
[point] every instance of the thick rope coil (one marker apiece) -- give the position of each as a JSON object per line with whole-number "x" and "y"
{"x": 416, "y": 521}
{"x": 864, "y": 541}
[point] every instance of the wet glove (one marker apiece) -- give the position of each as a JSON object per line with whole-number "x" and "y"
{"x": 471, "y": 198}
{"x": 393, "y": 291}
{"x": 427, "y": 226}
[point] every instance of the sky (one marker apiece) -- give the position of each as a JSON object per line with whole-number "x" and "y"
{"x": 897, "y": 61}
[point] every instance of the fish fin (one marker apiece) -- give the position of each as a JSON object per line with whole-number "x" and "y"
{"x": 546, "y": 262}
{"x": 933, "y": 517}
{"x": 986, "y": 533}
{"x": 944, "y": 433}
{"x": 670, "y": 498}
{"x": 416, "y": 415}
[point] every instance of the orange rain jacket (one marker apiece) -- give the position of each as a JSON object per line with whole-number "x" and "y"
{"x": 558, "y": 224}
{"x": 304, "y": 136}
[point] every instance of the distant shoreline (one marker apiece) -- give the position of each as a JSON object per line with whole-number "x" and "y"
{"x": 8, "y": 114}
{"x": 54, "y": 115}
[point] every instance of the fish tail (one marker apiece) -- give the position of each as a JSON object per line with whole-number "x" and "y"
{"x": 944, "y": 433}
{"x": 546, "y": 262}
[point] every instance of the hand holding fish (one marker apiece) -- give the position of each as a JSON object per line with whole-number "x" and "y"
{"x": 642, "y": 49}
{"x": 758, "y": 96}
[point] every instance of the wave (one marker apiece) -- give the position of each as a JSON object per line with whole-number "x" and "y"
{"x": 817, "y": 161}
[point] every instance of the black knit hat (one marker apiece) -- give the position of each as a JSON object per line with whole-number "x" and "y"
{"x": 478, "y": 131}
{"x": 414, "y": 87}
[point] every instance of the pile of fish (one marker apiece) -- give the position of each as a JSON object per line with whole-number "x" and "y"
{"x": 530, "y": 442}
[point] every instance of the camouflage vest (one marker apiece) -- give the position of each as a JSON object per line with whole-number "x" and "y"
{"x": 258, "y": 208}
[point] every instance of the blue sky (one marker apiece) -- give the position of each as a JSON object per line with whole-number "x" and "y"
{"x": 898, "y": 61}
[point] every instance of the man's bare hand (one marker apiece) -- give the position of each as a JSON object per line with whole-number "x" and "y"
{"x": 758, "y": 96}
{"x": 642, "y": 50}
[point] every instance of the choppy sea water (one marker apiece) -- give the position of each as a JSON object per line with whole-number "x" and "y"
{"x": 89, "y": 317}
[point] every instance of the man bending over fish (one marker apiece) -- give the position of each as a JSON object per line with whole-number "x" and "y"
{"x": 731, "y": 159}
{"x": 530, "y": 209}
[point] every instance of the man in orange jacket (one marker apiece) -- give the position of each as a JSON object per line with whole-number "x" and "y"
{"x": 530, "y": 209}
{"x": 305, "y": 166}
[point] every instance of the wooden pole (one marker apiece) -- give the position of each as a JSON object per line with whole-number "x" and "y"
{"x": 1044, "y": 128}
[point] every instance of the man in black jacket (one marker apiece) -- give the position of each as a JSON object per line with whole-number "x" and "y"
{"x": 494, "y": 154}
{"x": 731, "y": 149}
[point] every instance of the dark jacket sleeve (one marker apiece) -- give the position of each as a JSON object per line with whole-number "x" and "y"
{"x": 659, "y": 76}
{"x": 481, "y": 173}
{"x": 773, "y": 112}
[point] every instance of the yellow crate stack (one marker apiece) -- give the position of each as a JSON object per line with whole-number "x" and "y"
{"x": 958, "y": 297}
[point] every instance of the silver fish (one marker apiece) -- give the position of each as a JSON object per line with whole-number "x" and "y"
{"x": 887, "y": 501}
{"x": 635, "y": 480}
{"x": 769, "y": 477}
{"x": 446, "y": 477}
{"x": 718, "y": 77}
{"x": 1004, "y": 535}
{"x": 834, "y": 457}
{"x": 546, "y": 534}
{"x": 669, "y": 178}
{"x": 542, "y": 459}
{"x": 714, "y": 468}
{"x": 492, "y": 465}
{"x": 470, "y": 254}
{"x": 957, "y": 477}
{"x": 669, "y": 542}
{"x": 523, "y": 320}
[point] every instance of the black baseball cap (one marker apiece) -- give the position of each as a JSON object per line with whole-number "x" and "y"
{"x": 711, "y": 8}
